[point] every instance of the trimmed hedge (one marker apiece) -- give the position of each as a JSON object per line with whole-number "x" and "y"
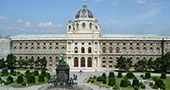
{"x": 130, "y": 75}
{"x": 94, "y": 77}
{"x": 112, "y": 82}
{"x": 41, "y": 78}
{"x": 100, "y": 78}
{"x": 43, "y": 73}
{"x": 147, "y": 75}
{"x": 159, "y": 83}
{"x": 36, "y": 73}
{"x": 48, "y": 76}
{"x": 19, "y": 79}
{"x": 111, "y": 75}
{"x": 30, "y": 79}
{"x": 104, "y": 75}
{"x": 124, "y": 83}
{"x": 163, "y": 75}
{"x": 119, "y": 75}
{"x": 135, "y": 82}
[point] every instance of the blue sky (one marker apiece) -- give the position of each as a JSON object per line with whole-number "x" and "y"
{"x": 115, "y": 16}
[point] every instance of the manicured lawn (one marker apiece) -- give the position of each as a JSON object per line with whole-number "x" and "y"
{"x": 167, "y": 83}
{"x": 118, "y": 80}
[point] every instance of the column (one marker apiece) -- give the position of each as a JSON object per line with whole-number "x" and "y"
{"x": 86, "y": 62}
{"x": 79, "y": 64}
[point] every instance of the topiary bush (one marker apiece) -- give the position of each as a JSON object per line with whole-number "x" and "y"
{"x": 30, "y": 79}
{"x": 104, "y": 75}
{"x": 43, "y": 73}
{"x": 19, "y": 79}
{"x": 10, "y": 79}
{"x": 112, "y": 82}
{"x": 136, "y": 87}
{"x": 7, "y": 82}
{"x": 4, "y": 72}
{"x": 147, "y": 75}
{"x": 23, "y": 84}
{"x": 130, "y": 75}
{"x": 143, "y": 87}
{"x": 100, "y": 78}
{"x": 111, "y": 75}
{"x": 159, "y": 83}
{"x": 163, "y": 75}
{"x": 104, "y": 81}
{"x": 135, "y": 82}
{"x": 41, "y": 78}
{"x": 27, "y": 73}
{"x": 36, "y": 73}
{"x": 119, "y": 75}
{"x": 48, "y": 76}
{"x": 142, "y": 76}
{"x": 124, "y": 83}
{"x": 94, "y": 77}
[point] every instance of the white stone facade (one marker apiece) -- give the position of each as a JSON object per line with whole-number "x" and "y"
{"x": 85, "y": 47}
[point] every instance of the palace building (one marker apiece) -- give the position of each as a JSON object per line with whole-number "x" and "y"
{"x": 84, "y": 46}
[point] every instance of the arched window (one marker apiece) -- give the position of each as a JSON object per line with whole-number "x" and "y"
{"x": 15, "y": 49}
{"x": 82, "y": 50}
{"x": 137, "y": 59}
{"x": 117, "y": 50}
{"x": 144, "y": 50}
{"x": 151, "y": 50}
{"x": 124, "y": 50}
{"x": 90, "y": 25}
{"x": 77, "y": 26}
{"x": 137, "y": 50}
{"x": 26, "y": 49}
{"x": 32, "y": 49}
{"x": 83, "y": 25}
{"x": 104, "y": 50}
{"x": 110, "y": 60}
{"x": 44, "y": 49}
{"x": 76, "y": 62}
{"x": 131, "y": 50}
{"x": 32, "y": 58}
{"x": 89, "y": 50}
{"x": 83, "y": 62}
{"x": 26, "y": 58}
{"x": 20, "y": 58}
{"x": 69, "y": 27}
{"x": 56, "y": 59}
{"x": 20, "y": 49}
{"x": 75, "y": 50}
{"x": 157, "y": 50}
{"x": 89, "y": 62}
{"x": 103, "y": 60}
{"x": 50, "y": 59}
{"x": 63, "y": 50}
{"x": 38, "y": 58}
{"x": 110, "y": 50}
{"x": 38, "y": 49}
{"x": 50, "y": 49}
{"x": 57, "y": 50}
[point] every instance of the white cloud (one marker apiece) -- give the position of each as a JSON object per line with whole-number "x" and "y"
{"x": 149, "y": 23}
{"x": 28, "y": 24}
{"x": 3, "y": 19}
{"x": 42, "y": 24}
{"x": 140, "y": 1}
{"x": 20, "y": 21}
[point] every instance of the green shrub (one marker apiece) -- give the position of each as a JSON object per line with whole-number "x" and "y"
{"x": 135, "y": 82}
{"x": 147, "y": 75}
{"x": 19, "y": 79}
{"x": 48, "y": 76}
{"x": 1, "y": 81}
{"x": 100, "y": 78}
{"x": 23, "y": 84}
{"x": 30, "y": 79}
{"x": 111, "y": 75}
{"x": 104, "y": 81}
{"x": 27, "y": 73}
{"x": 143, "y": 87}
{"x": 136, "y": 87}
{"x": 94, "y": 77}
{"x": 140, "y": 84}
{"x": 154, "y": 78}
{"x": 4, "y": 72}
{"x": 124, "y": 83}
{"x": 43, "y": 73}
{"x": 41, "y": 78}
{"x": 10, "y": 79}
{"x": 119, "y": 75}
{"x": 150, "y": 84}
{"x": 130, "y": 75}
{"x": 92, "y": 81}
{"x": 90, "y": 78}
{"x": 36, "y": 73}
{"x": 129, "y": 83}
{"x": 104, "y": 75}
{"x": 163, "y": 75}
{"x": 159, "y": 83}
{"x": 112, "y": 82}
{"x": 7, "y": 82}
{"x": 142, "y": 76}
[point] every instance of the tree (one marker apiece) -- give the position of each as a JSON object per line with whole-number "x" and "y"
{"x": 150, "y": 64}
{"x": 100, "y": 78}
{"x": 31, "y": 79}
{"x": 4, "y": 72}
{"x": 11, "y": 59}
{"x": 20, "y": 63}
{"x": 112, "y": 82}
{"x": 130, "y": 75}
{"x": 123, "y": 63}
{"x": 2, "y": 63}
{"x": 10, "y": 79}
{"x": 36, "y": 73}
{"x": 147, "y": 75}
{"x": 141, "y": 65}
{"x": 104, "y": 75}
{"x": 31, "y": 62}
{"x": 124, "y": 83}
{"x": 43, "y": 62}
{"x": 111, "y": 75}
{"x": 135, "y": 82}
{"x": 19, "y": 79}
{"x": 43, "y": 73}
